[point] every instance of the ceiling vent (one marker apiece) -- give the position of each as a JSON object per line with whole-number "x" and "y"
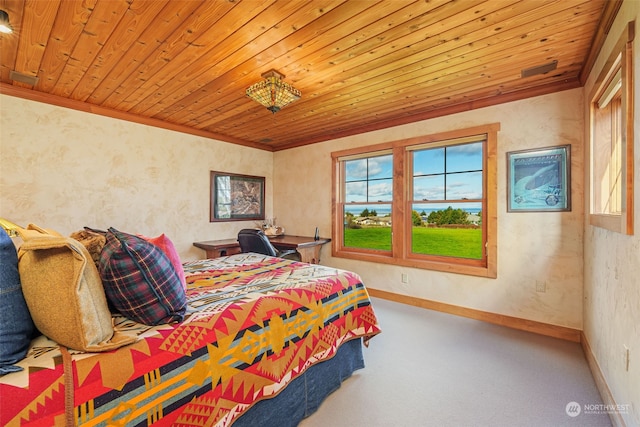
{"x": 540, "y": 69}
{"x": 23, "y": 78}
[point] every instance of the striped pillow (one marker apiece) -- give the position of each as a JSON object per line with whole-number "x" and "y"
{"x": 140, "y": 281}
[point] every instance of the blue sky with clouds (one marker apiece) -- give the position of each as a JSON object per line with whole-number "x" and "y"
{"x": 451, "y": 173}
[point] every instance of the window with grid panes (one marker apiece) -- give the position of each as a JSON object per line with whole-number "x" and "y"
{"x": 426, "y": 202}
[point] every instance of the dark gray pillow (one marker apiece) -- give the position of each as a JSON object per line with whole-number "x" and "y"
{"x": 16, "y": 325}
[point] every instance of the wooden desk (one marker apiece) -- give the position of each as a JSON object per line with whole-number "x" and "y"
{"x": 307, "y": 247}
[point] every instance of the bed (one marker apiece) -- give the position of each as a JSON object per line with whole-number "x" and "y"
{"x": 264, "y": 340}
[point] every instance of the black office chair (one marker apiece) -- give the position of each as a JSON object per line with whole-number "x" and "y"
{"x": 252, "y": 240}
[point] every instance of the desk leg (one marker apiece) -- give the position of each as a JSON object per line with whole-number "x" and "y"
{"x": 310, "y": 255}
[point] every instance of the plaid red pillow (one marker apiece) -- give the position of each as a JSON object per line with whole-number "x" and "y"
{"x": 140, "y": 281}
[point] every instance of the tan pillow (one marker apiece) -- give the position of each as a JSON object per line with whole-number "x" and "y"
{"x": 64, "y": 293}
{"x": 33, "y": 231}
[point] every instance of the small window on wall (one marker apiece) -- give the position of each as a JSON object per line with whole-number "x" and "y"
{"x": 611, "y": 155}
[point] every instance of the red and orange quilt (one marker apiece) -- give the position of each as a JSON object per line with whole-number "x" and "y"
{"x": 254, "y": 323}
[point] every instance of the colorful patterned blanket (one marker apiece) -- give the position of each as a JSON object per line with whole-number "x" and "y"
{"x": 254, "y": 323}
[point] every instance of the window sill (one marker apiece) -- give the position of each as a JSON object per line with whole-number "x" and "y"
{"x": 447, "y": 267}
{"x": 615, "y": 223}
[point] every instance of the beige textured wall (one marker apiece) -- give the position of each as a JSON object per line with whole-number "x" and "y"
{"x": 65, "y": 169}
{"x": 612, "y": 269}
{"x": 532, "y": 247}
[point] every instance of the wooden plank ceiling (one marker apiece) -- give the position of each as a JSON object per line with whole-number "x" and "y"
{"x": 361, "y": 65}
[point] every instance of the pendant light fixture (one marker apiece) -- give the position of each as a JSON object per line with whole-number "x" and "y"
{"x": 272, "y": 92}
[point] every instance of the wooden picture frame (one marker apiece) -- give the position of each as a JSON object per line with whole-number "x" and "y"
{"x": 539, "y": 180}
{"x": 236, "y": 197}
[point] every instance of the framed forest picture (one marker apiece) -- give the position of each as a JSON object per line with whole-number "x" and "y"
{"x": 236, "y": 197}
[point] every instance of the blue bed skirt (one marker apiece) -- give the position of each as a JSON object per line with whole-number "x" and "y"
{"x": 303, "y": 396}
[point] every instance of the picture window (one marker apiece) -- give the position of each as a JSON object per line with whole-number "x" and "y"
{"x": 427, "y": 202}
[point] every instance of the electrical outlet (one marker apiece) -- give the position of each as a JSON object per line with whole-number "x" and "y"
{"x": 541, "y": 286}
{"x": 404, "y": 278}
{"x": 627, "y": 357}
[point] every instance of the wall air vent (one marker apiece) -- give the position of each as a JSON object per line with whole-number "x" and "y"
{"x": 23, "y": 78}
{"x": 540, "y": 69}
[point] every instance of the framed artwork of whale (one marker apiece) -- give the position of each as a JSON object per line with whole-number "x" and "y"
{"x": 539, "y": 180}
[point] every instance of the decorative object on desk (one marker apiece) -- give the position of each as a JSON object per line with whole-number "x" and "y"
{"x": 539, "y": 180}
{"x": 273, "y": 231}
{"x": 236, "y": 197}
{"x": 266, "y": 223}
{"x": 269, "y": 227}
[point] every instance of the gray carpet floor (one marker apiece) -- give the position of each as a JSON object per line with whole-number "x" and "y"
{"x": 434, "y": 369}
